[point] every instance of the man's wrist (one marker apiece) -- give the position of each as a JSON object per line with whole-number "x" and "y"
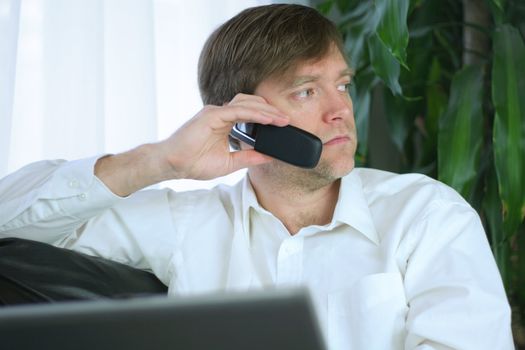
{"x": 128, "y": 172}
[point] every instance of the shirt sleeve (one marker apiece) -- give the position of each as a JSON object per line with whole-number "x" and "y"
{"x": 453, "y": 287}
{"x": 49, "y": 200}
{"x": 65, "y": 204}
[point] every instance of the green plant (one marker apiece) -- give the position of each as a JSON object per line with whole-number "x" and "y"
{"x": 451, "y": 77}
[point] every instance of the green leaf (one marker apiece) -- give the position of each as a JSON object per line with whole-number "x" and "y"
{"x": 357, "y": 26}
{"x": 460, "y": 132}
{"x": 497, "y": 9}
{"x": 414, "y": 4}
{"x": 393, "y": 29}
{"x": 436, "y": 101}
{"x": 361, "y": 96}
{"x": 519, "y": 272}
{"x": 447, "y": 46}
{"x": 362, "y": 120}
{"x": 508, "y": 97}
{"x": 494, "y": 224}
{"x": 345, "y": 6}
{"x": 325, "y": 7}
{"x": 361, "y": 14}
{"x": 384, "y": 64}
{"x": 399, "y": 121}
{"x": 515, "y": 15}
{"x": 499, "y": 4}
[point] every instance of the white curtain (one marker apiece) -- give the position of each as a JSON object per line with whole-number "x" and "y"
{"x": 9, "y": 15}
{"x": 85, "y": 77}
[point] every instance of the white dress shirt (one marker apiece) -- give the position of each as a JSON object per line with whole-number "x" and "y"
{"x": 404, "y": 264}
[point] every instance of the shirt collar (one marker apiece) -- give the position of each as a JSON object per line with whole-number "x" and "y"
{"x": 351, "y": 208}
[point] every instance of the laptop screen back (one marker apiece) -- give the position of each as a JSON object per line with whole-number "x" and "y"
{"x": 277, "y": 319}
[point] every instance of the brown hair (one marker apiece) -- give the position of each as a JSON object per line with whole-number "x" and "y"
{"x": 258, "y": 43}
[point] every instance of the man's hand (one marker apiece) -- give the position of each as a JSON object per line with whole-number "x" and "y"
{"x": 198, "y": 150}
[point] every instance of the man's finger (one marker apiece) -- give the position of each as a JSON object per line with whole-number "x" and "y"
{"x": 249, "y": 114}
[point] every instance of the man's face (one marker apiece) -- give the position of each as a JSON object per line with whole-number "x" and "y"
{"x": 316, "y": 99}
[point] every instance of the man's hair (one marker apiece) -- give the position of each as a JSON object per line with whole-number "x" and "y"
{"x": 259, "y": 43}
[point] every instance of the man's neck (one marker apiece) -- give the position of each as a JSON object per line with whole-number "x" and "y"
{"x": 296, "y": 206}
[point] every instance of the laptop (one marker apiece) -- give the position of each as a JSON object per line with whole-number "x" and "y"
{"x": 279, "y": 319}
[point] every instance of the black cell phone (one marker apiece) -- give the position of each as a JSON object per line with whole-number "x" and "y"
{"x": 289, "y": 144}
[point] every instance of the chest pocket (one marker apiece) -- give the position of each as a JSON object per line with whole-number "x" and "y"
{"x": 369, "y": 315}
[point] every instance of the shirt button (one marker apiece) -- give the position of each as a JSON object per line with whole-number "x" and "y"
{"x": 82, "y": 196}
{"x": 73, "y": 183}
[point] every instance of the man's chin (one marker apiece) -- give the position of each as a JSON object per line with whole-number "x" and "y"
{"x": 334, "y": 170}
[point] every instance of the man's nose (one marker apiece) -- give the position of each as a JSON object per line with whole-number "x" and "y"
{"x": 338, "y": 107}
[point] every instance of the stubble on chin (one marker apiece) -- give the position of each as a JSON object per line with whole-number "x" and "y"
{"x": 288, "y": 177}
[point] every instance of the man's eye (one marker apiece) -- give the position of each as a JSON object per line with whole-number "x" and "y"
{"x": 305, "y": 93}
{"x": 344, "y": 87}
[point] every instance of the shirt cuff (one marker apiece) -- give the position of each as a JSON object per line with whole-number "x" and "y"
{"x": 78, "y": 191}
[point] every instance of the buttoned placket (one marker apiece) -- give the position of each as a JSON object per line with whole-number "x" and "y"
{"x": 290, "y": 261}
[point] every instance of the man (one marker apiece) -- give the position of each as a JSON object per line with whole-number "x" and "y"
{"x": 392, "y": 261}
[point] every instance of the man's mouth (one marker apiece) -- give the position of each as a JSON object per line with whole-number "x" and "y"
{"x": 337, "y": 140}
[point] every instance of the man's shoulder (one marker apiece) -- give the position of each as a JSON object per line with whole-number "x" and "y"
{"x": 184, "y": 209}
{"x": 404, "y": 200}
{"x": 380, "y": 184}
{"x": 218, "y": 195}
{"x": 222, "y": 195}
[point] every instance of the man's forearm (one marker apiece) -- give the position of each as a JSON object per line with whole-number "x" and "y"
{"x": 198, "y": 150}
{"x": 128, "y": 172}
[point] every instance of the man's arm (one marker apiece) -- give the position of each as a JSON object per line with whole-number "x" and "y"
{"x": 198, "y": 150}
{"x": 51, "y": 200}
{"x": 455, "y": 294}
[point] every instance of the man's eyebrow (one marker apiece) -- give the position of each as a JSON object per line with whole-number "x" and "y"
{"x": 298, "y": 81}
{"x": 347, "y": 72}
